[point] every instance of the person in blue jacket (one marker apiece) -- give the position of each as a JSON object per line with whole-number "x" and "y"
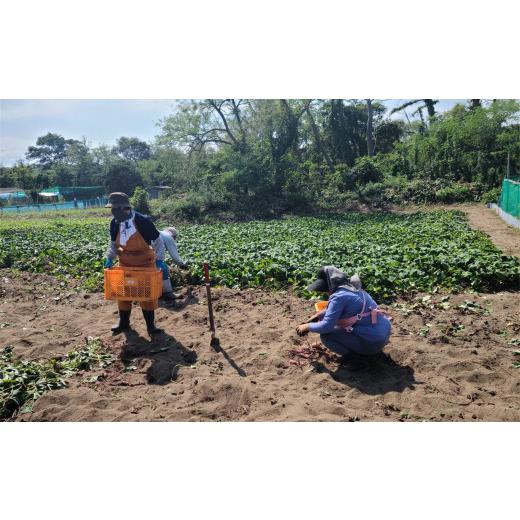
{"x": 352, "y": 322}
{"x": 169, "y": 237}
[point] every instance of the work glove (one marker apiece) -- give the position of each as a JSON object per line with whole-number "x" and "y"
{"x": 160, "y": 264}
{"x": 108, "y": 263}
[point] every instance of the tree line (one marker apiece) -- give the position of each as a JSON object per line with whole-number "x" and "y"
{"x": 266, "y": 157}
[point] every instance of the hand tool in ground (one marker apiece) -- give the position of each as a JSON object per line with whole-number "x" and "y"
{"x": 214, "y": 341}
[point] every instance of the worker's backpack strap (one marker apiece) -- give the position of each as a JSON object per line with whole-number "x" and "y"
{"x": 348, "y": 323}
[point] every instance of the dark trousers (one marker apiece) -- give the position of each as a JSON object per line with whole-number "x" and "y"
{"x": 344, "y": 343}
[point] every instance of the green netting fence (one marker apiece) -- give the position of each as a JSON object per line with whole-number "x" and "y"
{"x": 80, "y": 192}
{"x": 510, "y": 197}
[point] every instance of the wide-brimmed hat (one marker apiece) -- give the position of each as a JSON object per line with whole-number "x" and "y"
{"x": 330, "y": 278}
{"x": 172, "y": 231}
{"x": 118, "y": 199}
{"x": 321, "y": 283}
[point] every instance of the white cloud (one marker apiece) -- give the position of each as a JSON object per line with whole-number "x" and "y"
{"x": 12, "y": 149}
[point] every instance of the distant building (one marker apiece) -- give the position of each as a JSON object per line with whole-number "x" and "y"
{"x": 155, "y": 191}
{"x": 12, "y": 194}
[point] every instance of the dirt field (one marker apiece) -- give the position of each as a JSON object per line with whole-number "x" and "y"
{"x": 505, "y": 237}
{"x": 451, "y": 364}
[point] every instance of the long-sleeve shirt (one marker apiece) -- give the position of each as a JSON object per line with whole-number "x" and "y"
{"x": 171, "y": 246}
{"x": 145, "y": 227}
{"x": 343, "y": 304}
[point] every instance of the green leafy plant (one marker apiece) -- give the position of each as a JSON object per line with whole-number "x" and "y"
{"x": 424, "y": 331}
{"x": 469, "y": 307}
{"x": 444, "y": 303}
{"x": 516, "y": 363}
{"x": 140, "y": 201}
{"x": 22, "y": 382}
{"x": 455, "y": 193}
{"x": 394, "y": 254}
{"x": 491, "y": 196}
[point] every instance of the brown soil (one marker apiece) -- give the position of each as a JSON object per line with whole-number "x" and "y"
{"x": 442, "y": 364}
{"x": 504, "y": 236}
{"x": 450, "y": 374}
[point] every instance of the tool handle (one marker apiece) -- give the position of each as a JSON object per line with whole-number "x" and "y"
{"x": 208, "y": 297}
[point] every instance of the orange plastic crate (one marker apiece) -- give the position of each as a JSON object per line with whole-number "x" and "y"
{"x": 133, "y": 284}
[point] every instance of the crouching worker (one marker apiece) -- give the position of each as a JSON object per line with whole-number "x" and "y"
{"x": 169, "y": 237}
{"x": 352, "y": 322}
{"x": 135, "y": 240}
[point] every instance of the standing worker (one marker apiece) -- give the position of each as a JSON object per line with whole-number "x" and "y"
{"x": 169, "y": 236}
{"x": 137, "y": 242}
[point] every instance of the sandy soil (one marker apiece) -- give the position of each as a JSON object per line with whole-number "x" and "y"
{"x": 442, "y": 365}
{"x": 507, "y": 238}
{"x": 448, "y": 374}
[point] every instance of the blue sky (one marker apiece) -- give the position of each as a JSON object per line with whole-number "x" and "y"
{"x": 100, "y": 121}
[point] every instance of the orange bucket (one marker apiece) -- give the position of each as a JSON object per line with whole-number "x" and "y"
{"x": 133, "y": 284}
{"x": 321, "y": 305}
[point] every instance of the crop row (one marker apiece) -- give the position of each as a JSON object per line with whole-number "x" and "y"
{"x": 394, "y": 254}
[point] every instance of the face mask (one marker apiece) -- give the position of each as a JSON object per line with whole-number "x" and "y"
{"x": 120, "y": 214}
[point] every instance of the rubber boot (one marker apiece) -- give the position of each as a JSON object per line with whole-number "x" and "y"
{"x": 149, "y": 317}
{"x": 168, "y": 297}
{"x": 167, "y": 292}
{"x": 124, "y": 322}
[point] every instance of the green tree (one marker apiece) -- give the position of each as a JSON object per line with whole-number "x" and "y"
{"x": 370, "y": 131}
{"x": 123, "y": 176}
{"x": 49, "y": 150}
{"x": 21, "y": 175}
{"x": 345, "y": 128}
{"x": 6, "y": 177}
{"x": 365, "y": 170}
{"x": 465, "y": 144}
{"x": 212, "y": 122}
{"x": 60, "y": 175}
{"x": 132, "y": 149}
{"x": 41, "y": 179}
{"x": 170, "y": 166}
{"x": 140, "y": 201}
{"x": 82, "y": 166}
{"x": 269, "y": 156}
{"x": 387, "y": 134}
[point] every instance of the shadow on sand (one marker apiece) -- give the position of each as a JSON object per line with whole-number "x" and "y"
{"x": 374, "y": 375}
{"x": 217, "y": 347}
{"x": 188, "y": 299}
{"x": 166, "y": 353}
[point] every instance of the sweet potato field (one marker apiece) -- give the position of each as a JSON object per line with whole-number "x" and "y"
{"x": 394, "y": 254}
{"x": 453, "y": 295}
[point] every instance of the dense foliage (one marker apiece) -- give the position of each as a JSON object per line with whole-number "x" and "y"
{"x": 140, "y": 201}
{"x": 394, "y": 254}
{"x": 62, "y": 247}
{"x": 262, "y": 158}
